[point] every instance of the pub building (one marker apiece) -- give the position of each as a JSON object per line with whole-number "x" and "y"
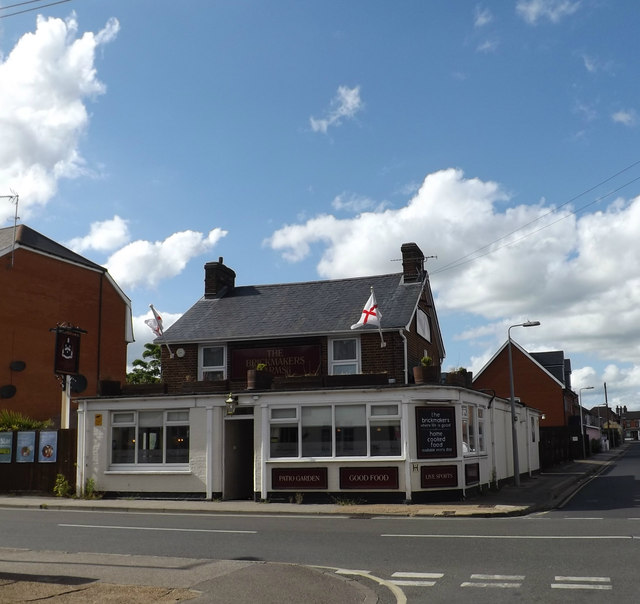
{"x": 296, "y": 392}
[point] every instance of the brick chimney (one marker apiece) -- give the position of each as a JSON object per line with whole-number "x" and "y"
{"x": 218, "y": 279}
{"x": 412, "y": 263}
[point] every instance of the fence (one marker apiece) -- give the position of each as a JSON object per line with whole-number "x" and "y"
{"x": 31, "y": 460}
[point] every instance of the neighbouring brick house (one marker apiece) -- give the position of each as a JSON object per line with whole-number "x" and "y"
{"x": 341, "y": 414}
{"x": 43, "y": 284}
{"x": 541, "y": 380}
{"x": 630, "y": 423}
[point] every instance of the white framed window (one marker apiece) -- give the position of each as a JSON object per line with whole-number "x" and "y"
{"x": 474, "y": 439}
{"x": 344, "y": 356}
{"x": 482, "y": 447}
{"x": 353, "y": 430}
{"x": 212, "y": 364}
{"x": 143, "y": 438}
{"x": 423, "y": 325}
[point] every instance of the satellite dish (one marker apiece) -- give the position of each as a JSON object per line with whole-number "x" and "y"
{"x": 78, "y": 383}
{"x": 7, "y": 391}
{"x": 17, "y": 365}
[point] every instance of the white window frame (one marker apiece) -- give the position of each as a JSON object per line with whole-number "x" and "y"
{"x": 202, "y": 369}
{"x": 423, "y": 325}
{"x": 357, "y": 360}
{"x": 372, "y": 419}
{"x": 134, "y": 423}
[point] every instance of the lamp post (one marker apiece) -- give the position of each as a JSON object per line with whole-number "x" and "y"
{"x": 514, "y": 427}
{"x": 584, "y": 450}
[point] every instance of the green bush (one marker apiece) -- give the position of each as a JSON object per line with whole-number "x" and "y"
{"x": 14, "y": 420}
{"x": 62, "y": 488}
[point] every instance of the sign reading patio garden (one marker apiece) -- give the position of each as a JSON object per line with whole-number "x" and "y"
{"x": 436, "y": 432}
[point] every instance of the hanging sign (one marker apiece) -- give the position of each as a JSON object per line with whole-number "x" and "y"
{"x": 67, "y": 352}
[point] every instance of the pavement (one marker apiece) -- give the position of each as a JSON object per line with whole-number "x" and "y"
{"x": 27, "y": 575}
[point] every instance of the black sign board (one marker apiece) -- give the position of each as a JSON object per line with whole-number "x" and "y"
{"x": 369, "y": 478}
{"x": 436, "y": 432}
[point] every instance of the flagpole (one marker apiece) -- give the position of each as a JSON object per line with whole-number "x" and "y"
{"x": 158, "y": 320}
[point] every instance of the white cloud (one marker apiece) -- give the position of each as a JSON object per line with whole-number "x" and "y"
{"x": 533, "y": 11}
{"x": 351, "y": 202}
{"x": 344, "y": 105}
{"x": 103, "y": 236}
{"x": 625, "y": 117}
{"x": 482, "y": 17}
{"x": 579, "y": 276}
{"x": 146, "y": 263}
{"x": 46, "y": 80}
{"x": 487, "y": 46}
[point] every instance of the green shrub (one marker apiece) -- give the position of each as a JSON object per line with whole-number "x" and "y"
{"x": 62, "y": 488}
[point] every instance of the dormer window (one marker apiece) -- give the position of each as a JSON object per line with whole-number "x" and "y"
{"x": 344, "y": 356}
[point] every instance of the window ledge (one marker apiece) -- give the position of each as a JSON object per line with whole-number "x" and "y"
{"x": 149, "y": 471}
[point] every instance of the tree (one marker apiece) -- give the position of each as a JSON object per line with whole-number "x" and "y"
{"x": 147, "y": 371}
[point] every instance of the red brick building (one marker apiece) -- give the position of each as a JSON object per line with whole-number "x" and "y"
{"x": 44, "y": 284}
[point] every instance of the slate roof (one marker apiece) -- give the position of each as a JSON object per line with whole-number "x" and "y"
{"x": 26, "y": 237}
{"x": 296, "y": 309}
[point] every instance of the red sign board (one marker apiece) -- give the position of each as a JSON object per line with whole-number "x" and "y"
{"x": 299, "y": 478}
{"x": 432, "y": 477}
{"x": 369, "y": 478}
{"x": 67, "y": 352}
{"x": 472, "y": 473}
{"x": 280, "y": 360}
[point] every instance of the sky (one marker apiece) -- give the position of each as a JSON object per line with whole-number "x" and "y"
{"x": 303, "y": 140}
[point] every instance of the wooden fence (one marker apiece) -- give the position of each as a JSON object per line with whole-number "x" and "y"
{"x": 27, "y": 469}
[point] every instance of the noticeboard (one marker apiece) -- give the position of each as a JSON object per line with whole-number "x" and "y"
{"x": 436, "y": 432}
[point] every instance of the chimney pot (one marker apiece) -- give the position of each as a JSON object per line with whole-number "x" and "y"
{"x": 218, "y": 279}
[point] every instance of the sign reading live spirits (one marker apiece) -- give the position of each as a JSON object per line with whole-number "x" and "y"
{"x": 432, "y": 477}
{"x": 436, "y": 432}
{"x": 369, "y": 478}
{"x": 280, "y": 360}
{"x": 299, "y": 478}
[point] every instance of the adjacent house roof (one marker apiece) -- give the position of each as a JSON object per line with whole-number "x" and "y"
{"x": 26, "y": 237}
{"x": 297, "y": 309}
{"x": 534, "y": 357}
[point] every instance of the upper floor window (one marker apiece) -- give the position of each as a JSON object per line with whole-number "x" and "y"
{"x": 344, "y": 356}
{"x": 212, "y": 361}
{"x": 423, "y": 325}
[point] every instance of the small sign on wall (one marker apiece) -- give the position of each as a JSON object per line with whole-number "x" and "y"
{"x": 433, "y": 477}
{"x": 369, "y": 478}
{"x": 26, "y": 442}
{"x": 48, "y": 447}
{"x": 97, "y": 420}
{"x": 6, "y": 445}
{"x": 299, "y": 478}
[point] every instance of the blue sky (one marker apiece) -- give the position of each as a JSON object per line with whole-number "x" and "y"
{"x": 308, "y": 140}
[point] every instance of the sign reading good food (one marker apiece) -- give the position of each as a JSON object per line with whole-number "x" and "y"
{"x": 299, "y": 478}
{"x": 433, "y": 477}
{"x": 369, "y": 478}
{"x": 436, "y": 432}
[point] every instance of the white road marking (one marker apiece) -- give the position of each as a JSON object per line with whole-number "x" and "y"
{"x": 152, "y": 528}
{"x": 408, "y": 575}
{"x": 492, "y": 584}
{"x": 499, "y": 577}
{"x": 569, "y": 537}
{"x": 602, "y": 583}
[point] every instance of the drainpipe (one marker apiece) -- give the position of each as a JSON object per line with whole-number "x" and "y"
{"x": 405, "y": 360}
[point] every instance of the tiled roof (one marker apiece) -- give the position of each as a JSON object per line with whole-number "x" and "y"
{"x": 26, "y": 237}
{"x": 295, "y": 309}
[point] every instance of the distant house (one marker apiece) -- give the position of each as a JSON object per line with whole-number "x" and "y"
{"x": 541, "y": 380}
{"x": 630, "y": 424}
{"x": 270, "y": 394}
{"x": 44, "y": 284}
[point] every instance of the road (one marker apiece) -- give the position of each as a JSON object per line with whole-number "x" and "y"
{"x": 588, "y": 551}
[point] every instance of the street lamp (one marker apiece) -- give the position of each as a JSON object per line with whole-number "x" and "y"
{"x": 584, "y": 450}
{"x": 514, "y": 427}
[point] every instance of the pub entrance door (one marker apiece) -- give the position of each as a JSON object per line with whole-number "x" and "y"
{"x": 238, "y": 458}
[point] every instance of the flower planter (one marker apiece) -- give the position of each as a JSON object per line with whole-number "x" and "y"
{"x": 259, "y": 380}
{"x": 426, "y": 375}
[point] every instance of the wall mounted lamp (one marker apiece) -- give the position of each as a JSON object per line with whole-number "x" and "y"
{"x": 231, "y": 403}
